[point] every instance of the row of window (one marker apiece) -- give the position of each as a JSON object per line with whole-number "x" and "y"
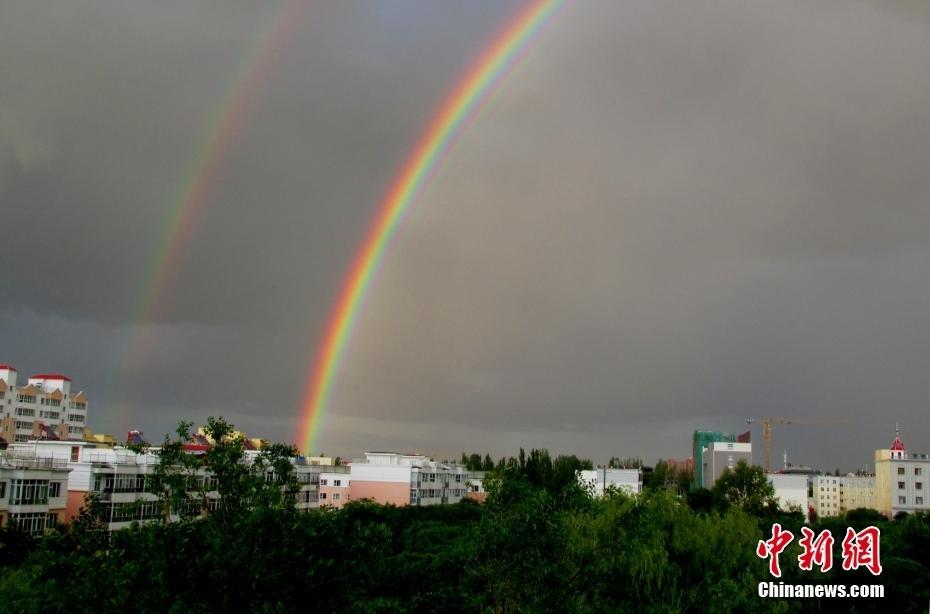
{"x": 23, "y": 398}
{"x": 30, "y": 492}
{"x": 917, "y": 500}
{"x": 34, "y": 523}
{"x": 336, "y": 496}
{"x": 917, "y": 485}
{"x": 323, "y": 482}
{"x": 917, "y": 471}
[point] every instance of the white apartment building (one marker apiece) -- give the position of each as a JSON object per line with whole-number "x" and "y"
{"x": 720, "y": 455}
{"x": 33, "y": 492}
{"x": 901, "y": 480}
{"x": 629, "y": 481}
{"x": 46, "y": 403}
{"x": 406, "y": 479}
{"x": 836, "y": 495}
{"x": 118, "y": 477}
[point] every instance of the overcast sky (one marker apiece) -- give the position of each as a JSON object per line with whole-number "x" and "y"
{"x": 674, "y": 215}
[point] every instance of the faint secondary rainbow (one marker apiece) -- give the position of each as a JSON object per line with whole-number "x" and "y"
{"x": 460, "y": 107}
{"x": 200, "y": 181}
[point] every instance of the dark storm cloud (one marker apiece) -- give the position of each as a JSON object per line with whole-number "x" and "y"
{"x": 672, "y": 217}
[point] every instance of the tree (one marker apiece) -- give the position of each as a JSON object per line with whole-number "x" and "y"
{"x": 745, "y": 487}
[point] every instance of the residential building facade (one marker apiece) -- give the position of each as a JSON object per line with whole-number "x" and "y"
{"x": 901, "y": 480}
{"x": 45, "y": 407}
{"x": 33, "y": 492}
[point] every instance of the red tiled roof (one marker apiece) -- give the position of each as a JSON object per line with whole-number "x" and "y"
{"x": 898, "y": 445}
{"x": 6, "y": 366}
{"x": 51, "y": 376}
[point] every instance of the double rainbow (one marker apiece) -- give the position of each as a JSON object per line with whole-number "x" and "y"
{"x": 196, "y": 190}
{"x": 459, "y": 109}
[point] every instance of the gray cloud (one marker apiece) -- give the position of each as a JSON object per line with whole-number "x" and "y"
{"x": 670, "y": 217}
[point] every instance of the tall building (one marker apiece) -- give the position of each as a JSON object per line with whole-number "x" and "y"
{"x": 45, "y": 408}
{"x": 720, "y": 455}
{"x": 701, "y": 440}
{"x": 901, "y": 480}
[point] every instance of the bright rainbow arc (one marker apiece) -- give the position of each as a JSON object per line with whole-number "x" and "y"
{"x": 199, "y": 184}
{"x": 459, "y": 109}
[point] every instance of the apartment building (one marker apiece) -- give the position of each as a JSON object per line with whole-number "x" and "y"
{"x": 45, "y": 407}
{"x": 406, "y": 479}
{"x": 836, "y": 495}
{"x": 33, "y": 492}
{"x": 119, "y": 478}
{"x": 901, "y": 480}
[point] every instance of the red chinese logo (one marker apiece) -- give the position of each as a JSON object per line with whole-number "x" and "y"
{"x": 817, "y": 551}
{"x": 861, "y": 550}
{"x": 771, "y": 548}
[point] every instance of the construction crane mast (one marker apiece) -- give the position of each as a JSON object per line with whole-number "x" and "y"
{"x": 767, "y": 432}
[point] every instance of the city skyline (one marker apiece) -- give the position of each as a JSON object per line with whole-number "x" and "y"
{"x": 665, "y": 220}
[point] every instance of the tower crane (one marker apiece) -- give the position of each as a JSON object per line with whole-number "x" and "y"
{"x": 767, "y": 432}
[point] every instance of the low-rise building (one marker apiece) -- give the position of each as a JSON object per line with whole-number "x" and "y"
{"x": 33, "y": 491}
{"x": 599, "y": 480}
{"x": 406, "y": 479}
{"x": 791, "y": 492}
{"x": 335, "y": 486}
{"x": 836, "y": 495}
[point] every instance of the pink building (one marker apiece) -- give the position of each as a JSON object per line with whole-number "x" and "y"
{"x": 406, "y": 479}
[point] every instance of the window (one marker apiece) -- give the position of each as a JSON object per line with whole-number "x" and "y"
{"x": 23, "y": 398}
{"x": 918, "y": 471}
{"x": 2, "y": 490}
{"x": 51, "y": 415}
{"x": 323, "y": 482}
{"x": 75, "y": 452}
{"x": 28, "y": 492}
{"x": 337, "y": 482}
{"x": 75, "y": 418}
{"x": 75, "y": 429}
{"x": 23, "y": 425}
{"x": 25, "y": 411}
{"x": 54, "y": 489}
{"x": 902, "y": 500}
{"x": 919, "y": 485}
{"x": 33, "y": 524}
{"x": 322, "y": 496}
{"x": 336, "y": 496}
{"x": 900, "y": 470}
{"x": 901, "y": 485}
{"x": 919, "y": 500}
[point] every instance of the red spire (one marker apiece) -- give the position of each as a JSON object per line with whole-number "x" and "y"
{"x": 897, "y": 445}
